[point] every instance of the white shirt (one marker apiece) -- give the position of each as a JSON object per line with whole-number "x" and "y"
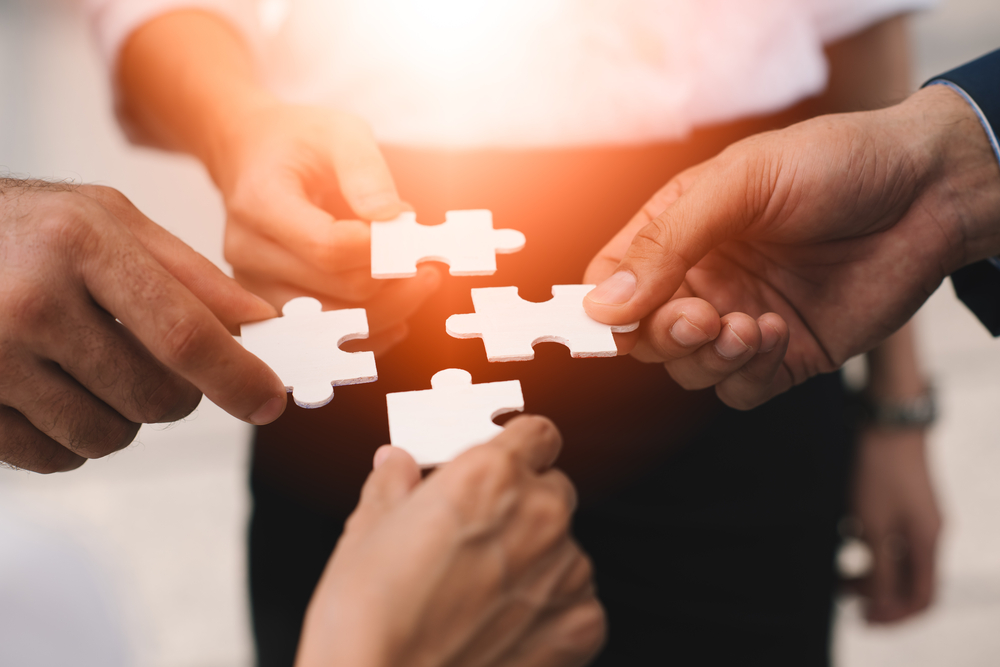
{"x": 532, "y": 73}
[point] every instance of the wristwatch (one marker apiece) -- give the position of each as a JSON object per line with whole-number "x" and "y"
{"x": 918, "y": 412}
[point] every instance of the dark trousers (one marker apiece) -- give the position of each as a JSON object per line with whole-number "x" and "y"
{"x": 722, "y": 555}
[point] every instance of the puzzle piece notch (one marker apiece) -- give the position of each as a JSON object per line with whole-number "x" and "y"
{"x": 436, "y": 425}
{"x": 511, "y": 326}
{"x": 466, "y": 241}
{"x": 303, "y": 348}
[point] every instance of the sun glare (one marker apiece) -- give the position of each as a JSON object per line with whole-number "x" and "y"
{"x": 453, "y": 38}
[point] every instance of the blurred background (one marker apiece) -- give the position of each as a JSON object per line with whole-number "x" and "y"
{"x": 138, "y": 559}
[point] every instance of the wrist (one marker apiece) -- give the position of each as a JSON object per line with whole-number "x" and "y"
{"x": 897, "y": 413}
{"x": 963, "y": 176}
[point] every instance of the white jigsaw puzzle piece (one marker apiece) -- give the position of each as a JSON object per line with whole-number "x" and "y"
{"x": 436, "y": 425}
{"x": 303, "y": 348}
{"x": 510, "y": 326}
{"x": 466, "y": 241}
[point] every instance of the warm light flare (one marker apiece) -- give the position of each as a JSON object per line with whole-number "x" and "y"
{"x": 452, "y": 39}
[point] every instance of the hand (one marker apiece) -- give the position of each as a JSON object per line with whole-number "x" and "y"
{"x": 187, "y": 82}
{"x": 474, "y": 566}
{"x": 74, "y": 382}
{"x": 816, "y": 242}
{"x": 281, "y": 169}
{"x": 893, "y": 500}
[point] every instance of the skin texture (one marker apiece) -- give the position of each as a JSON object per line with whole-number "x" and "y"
{"x": 74, "y": 383}
{"x": 473, "y": 566}
{"x": 818, "y": 241}
{"x": 297, "y": 181}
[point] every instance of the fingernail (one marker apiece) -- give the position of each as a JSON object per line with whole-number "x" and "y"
{"x": 769, "y": 338}
{"x": 381, "y": 454}
{"x": 615, "y": 290}
{"x": 687, "y": 334}
{"x": 729, "y": 345}
{"x": 268, "y": 412}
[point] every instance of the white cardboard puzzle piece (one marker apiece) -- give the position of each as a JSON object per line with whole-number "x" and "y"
{"x": 436, "y": 425}
{"x": 510, "y": 326}
{"x": 466, "y": 241}
{"x": 303, "y": 348}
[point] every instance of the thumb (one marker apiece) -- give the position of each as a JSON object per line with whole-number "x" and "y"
{"x": 394, "y": 477}
{"x": 696, "y": 211}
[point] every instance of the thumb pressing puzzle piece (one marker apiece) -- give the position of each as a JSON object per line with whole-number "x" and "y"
{"x": 436, "y": 425}
{"x": 303, "y": 348}
{"x": 466, "y": 241}
{"x": 510, "y": 326}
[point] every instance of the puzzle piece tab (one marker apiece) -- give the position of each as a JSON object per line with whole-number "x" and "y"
{"x": 466, "y": 241}
{"x": 303, "y": 348}
{"x": 510, "y": 326}
{"x": 436, "y": 425}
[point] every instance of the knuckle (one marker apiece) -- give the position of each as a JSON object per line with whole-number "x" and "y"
{"x": 540, "y": 428}
{"x": 550, "y": 512}
{"x": 323, "y": 254}
{"x": 119, "y": 435}
{"x": 591, "y": 627}
{"x": 172, "y": 399}
{"x": 107, "y": 196}
{"x": 654, "y": 237}
{"x": 688, "y": 381}
{"x": 56, "y": 460}
{"x": 68, "y": 222}
{"x": 181, "y": 344}
{"x": 102, "y": 435}
{"x": 486, "y": 472}
{"x": 32, "y": 308}
{"x": 738, "y": 398}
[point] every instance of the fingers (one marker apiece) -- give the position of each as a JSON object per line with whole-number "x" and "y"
{"x": 654, "y": 257}
{"x": 736, "y": 344}
{"x": 394, "y": 475}
{"x": 228, "y": 301}
{"x": 765, "y": 374}
{"x": 67, "y": 413}
{"x": 112, "y": 365}
{"x": 177, "y": 328}
{"x": 24, "y": 446}
{"x": 364, "y": 177}
{"x": 886, "y": 579}
{"x": 268, "y": 262}
{"x": 903, "y": 576}
{"x": 677, "y": 329}
{"x": 923, "y": 568}
{"x": 278, "y": 207}
{"x": 740, "y": 356}
{"x": 534, "y": 441}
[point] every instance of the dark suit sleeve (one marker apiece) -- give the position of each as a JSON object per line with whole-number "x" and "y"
{"x": 978, "y": 285}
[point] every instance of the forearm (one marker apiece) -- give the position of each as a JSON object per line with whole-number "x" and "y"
{"x": 184, "y": 79}
{"x": 894, "y": 372}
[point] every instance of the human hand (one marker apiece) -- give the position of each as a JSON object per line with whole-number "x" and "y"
{"x": 281, "y": 169}
{"x": 473, "y": 566}
{"x": 816, "y": 242}
{"x": 74, "y": 382}
{"x": 893, "y": 500}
